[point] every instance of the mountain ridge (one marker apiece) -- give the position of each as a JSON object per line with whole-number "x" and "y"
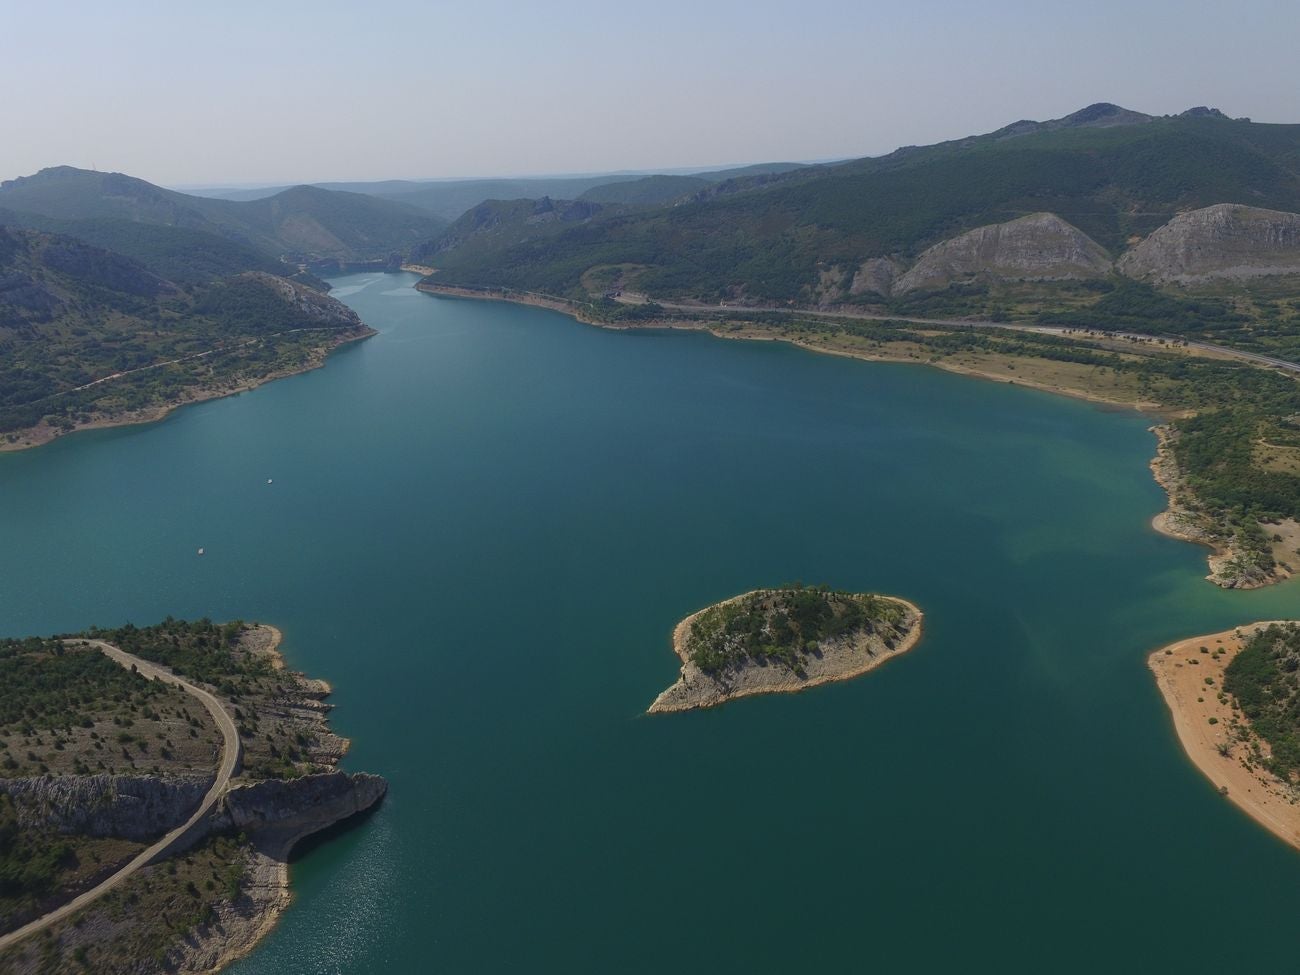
{"x": 301, "y": 223}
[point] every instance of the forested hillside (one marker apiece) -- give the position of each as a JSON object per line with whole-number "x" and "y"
{"x": 1113, "y": 174}
{"x": 301, "y": 223}
{"x": 87, "y": 335}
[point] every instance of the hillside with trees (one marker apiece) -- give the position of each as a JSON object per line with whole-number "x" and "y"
{"x": 1115, "y": 175}
{"x": 89, "y": 336}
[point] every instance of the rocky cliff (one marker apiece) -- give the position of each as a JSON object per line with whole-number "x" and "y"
{"x": 133, "y": 807}
{"x": 279, "y": 813}
{"x": 1223, "y": 242}
{"x": 1039, "y": 247}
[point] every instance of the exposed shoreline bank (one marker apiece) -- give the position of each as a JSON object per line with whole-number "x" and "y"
{"x": 250, "y": 820}
{"x": 1191, "y": 683}
{"x": 42, "y": 434}
{"x": 837, "y": 661}
{"x": 1176, "y": 521}
{"x": 238, "y": 932}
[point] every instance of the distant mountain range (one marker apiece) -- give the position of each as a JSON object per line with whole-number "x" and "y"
{"x": 303, "y": 223}
{"x": 1108, "y": 176}
{"x": 448, "y": 199}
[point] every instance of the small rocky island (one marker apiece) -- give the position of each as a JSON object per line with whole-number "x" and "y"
{"x": 153, "y": 783}
{"x": 783, "y": 640}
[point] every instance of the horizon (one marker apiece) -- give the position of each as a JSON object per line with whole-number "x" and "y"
{"x": 685, "y": 170}
{"x": 244, "y": 96}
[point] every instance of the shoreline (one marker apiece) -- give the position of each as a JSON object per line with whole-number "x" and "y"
{"x": 789, "y": 684}
{"x": 270, "y": 814}
{"x": 39, "y": 435}
{"x": 718, "y": 331}
{"x": 1212, "y": 748}
{"x": 1174, "y": 522}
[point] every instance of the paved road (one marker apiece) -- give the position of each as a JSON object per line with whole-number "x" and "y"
{"x": 1251, "y": 357}
{"x": 231, "y": 756}
{"x": 631, "y": 298}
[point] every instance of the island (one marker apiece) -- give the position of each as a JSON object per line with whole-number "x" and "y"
{"x": 784, "y": 640}
{"x": 1236, "y": 708}
{"x": 155, "y": 781}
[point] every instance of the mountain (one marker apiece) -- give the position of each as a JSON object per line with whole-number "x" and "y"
{"x": 89, "y": 336}
{"x": 497, "y": 225}
{"x": 1228, "y": 242}
{"x": 301, "y": 223}
{"x": 1112, "y": 174}
{"x": 177, "y": 253}
{"x": 1039, "y": 247}
{"x": 448, "y": 199}
{"x": 647, "y": 191}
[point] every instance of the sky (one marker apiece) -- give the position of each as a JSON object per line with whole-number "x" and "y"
{"x": 280, "y": 91}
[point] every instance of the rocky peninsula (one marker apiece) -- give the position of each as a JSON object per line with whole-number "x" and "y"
{"x": 150, "y": 833}
{"x": 784, "y": 640}
{"x": 1232, "y": 701}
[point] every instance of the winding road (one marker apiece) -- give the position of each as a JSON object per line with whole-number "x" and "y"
{"x": 231, "y": 757}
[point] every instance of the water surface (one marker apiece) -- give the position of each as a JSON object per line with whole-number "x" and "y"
{"x": 485, "y": 522}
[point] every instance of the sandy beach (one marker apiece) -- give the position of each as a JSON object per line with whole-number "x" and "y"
{"x": 1183, "y": 674}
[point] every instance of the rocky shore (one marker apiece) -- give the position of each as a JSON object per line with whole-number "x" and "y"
{"x": 1232, "y": 565}
{"x": 837, "y": 658}
{"x": 247, "y": 837}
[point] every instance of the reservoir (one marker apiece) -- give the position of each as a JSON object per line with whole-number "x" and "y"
{"x": 481, "y": 526}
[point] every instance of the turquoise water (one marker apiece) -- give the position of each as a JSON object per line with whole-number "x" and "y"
{"x": 483, "y": 525}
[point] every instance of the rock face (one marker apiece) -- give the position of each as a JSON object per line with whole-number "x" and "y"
{"x": 1039, "y": 247}
{"x": 128, "y": 806}
{"x": 309, "y": 302}
{"x": 280, "y": 812}
{"x": 1223, "y": 242}
{"x": 875, "y": 276}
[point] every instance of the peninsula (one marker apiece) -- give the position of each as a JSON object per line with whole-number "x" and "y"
{"x": 784, "y": 640}
{"x": 1233, "y": 699}
{"x": 155, "y": 783}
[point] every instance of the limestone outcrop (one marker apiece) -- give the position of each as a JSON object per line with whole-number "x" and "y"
{"x": 279, "y": 812}
{"x": 1227, "y": 241}
{"x": 132, "y": 807}
{"x": 1038, "y": 247}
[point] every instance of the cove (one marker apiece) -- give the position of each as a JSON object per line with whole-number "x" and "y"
{"x": 484, "y": 523}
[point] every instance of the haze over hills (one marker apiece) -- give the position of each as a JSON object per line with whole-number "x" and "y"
{"x": 302, "y": 223}
{"x": 448, "y": 199}
{"x": 804, "y": 236}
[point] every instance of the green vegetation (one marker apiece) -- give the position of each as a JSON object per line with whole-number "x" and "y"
{"x": 45, "y": 686}
{"x": 35, "y": 864}
{"x": 201, "y": 650}
{"x": 178, "y": 254}
{"x": 303, "y": 222}
{"x": 768, "y": 237}
{"x": 71, "y": 314}
{"x": 1265, "y": 680}
{"x": 165, "y": 904}
{"x": 785, "y": 625}
{"x": 216, "y": 654}
{"x": 647, "y": 191}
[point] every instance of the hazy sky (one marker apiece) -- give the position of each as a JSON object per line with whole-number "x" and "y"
{"x": 236, "y": 92}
